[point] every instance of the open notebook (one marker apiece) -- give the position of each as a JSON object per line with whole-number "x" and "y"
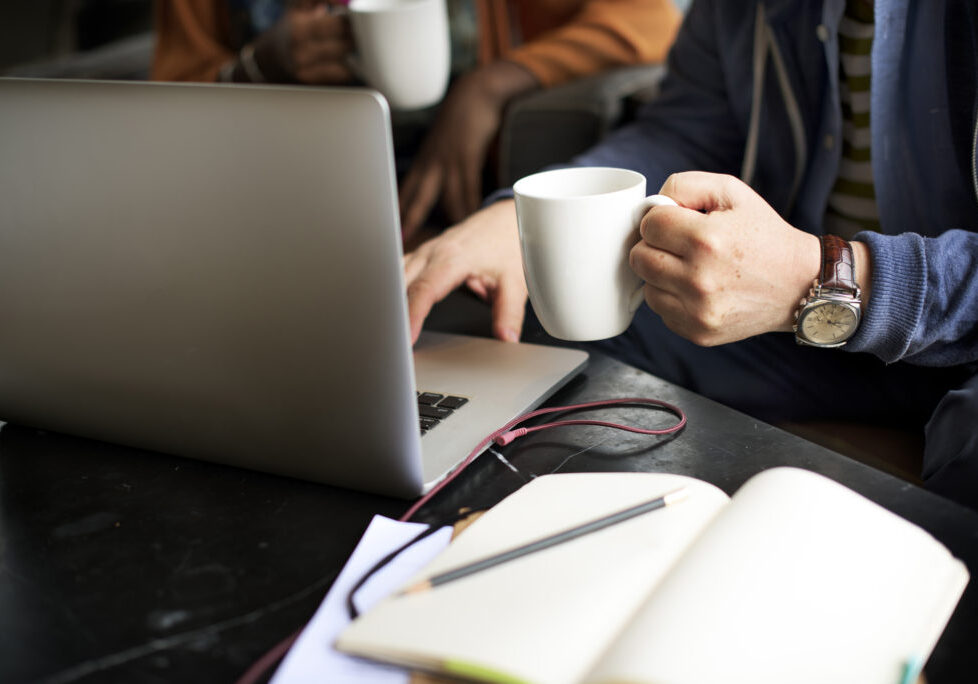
{"x": 216, "y": 272}
{"x": 793, "y": 579}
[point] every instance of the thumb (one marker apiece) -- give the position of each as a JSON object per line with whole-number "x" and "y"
{"x": 702, "y": 191}
{"x": 508, "y": 309}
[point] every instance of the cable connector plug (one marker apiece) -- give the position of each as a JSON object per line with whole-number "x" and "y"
{"x": 508, "y": 437}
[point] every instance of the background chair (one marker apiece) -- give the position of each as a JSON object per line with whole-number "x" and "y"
{"x": 552, "y": 125}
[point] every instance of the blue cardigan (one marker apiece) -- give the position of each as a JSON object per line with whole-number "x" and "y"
{"x": 753, "y": 91}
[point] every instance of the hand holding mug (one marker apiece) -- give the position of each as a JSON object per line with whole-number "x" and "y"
{"x": 576, "y": 229}
{"x": 321, "y": 46}
{"x": 399, "y": 47}
{"x": 724, "y": 266}
{"x": 310, "y": 44}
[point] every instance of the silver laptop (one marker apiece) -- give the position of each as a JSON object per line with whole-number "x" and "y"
{"x": 215, "y": 272}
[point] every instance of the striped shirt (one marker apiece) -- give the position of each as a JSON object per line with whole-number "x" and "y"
{"x": 852, "y": 202}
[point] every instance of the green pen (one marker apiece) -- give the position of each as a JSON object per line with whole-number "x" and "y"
{"x": 911, "y": 670}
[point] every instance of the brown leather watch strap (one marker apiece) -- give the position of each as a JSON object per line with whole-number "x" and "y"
{"x": 838, "y": 267}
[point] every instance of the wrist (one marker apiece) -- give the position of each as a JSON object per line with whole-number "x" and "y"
{"x": 501, "y": 81}
{"x": 806, "y": 268}
{"x": 249, "y": 67}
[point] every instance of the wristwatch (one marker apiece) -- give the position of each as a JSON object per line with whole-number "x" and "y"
{"x": 830, "y": 314}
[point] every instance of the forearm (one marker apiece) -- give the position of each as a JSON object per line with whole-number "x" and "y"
{"x": 499, "y": 82}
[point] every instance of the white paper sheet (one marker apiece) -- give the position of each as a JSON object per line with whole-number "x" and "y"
{"x": 312, "y": 658}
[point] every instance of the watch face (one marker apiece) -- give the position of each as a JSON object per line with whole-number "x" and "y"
{"x": 828, "y": 323}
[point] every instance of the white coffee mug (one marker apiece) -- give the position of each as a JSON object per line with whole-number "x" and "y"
{"x": 402, "y": 49}
{"x": 576, "y": 229}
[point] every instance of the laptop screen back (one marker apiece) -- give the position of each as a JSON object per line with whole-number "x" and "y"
{"x": 207, "y": 271}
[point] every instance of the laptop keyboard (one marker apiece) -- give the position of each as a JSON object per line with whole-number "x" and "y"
{"x": 433, "y": 408}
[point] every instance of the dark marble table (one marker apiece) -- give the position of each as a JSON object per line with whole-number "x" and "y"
{"x": 118, "y": 565}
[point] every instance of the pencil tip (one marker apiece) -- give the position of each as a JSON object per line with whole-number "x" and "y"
{"x": 415, "y": 588}
{"x": 676, "y": 496}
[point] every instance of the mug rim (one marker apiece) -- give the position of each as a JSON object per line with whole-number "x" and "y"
{"x": 382, "y": 6}
{"x": 524, "y": 186}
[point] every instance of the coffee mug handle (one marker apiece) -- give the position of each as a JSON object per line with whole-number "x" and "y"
{"x": 657, "y": 201}
{"x": 638, "y": 296}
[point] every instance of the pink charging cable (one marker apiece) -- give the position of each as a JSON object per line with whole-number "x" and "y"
{"x": 507, "y": 434}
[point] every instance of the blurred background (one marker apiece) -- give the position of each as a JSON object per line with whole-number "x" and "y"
{"x": 76, "y": 38}
{"x": 82, "y": 38}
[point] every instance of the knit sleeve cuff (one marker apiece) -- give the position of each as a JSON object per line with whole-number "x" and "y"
{"x": 899, "y": 285}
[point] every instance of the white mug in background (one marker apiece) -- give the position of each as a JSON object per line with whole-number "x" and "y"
{"x": 402, "y": 49}
{"x": 576, "y": 227}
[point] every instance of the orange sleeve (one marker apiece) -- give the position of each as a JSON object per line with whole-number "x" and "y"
{"x": 599, "y": 35}
{"x": 192, "y": 42}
